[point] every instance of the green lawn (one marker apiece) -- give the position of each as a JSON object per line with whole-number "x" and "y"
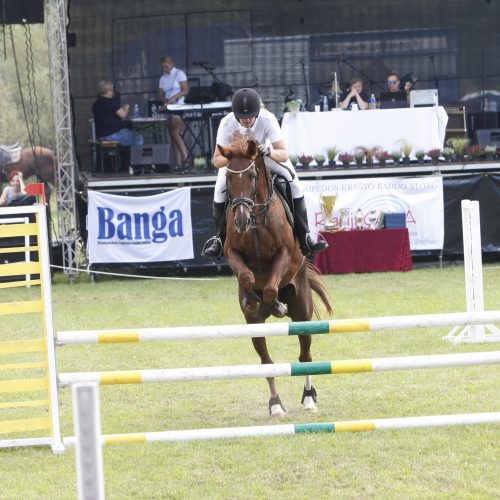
{"x": 454, "y": 462}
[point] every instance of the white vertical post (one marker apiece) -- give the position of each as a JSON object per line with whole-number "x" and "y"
{"x": 473, "y": 267}
{"x": 87, "y": 423}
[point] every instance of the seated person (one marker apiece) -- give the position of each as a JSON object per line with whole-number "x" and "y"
{"x": 393, "y": 82}
{"x": 109, "y": 115}
{"x": 15, "y": 190}
{"x": 354, "y": 95}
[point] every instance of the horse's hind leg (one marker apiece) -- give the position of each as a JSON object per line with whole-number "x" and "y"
{"x": 276, "y": 408}
{"x": 309, "y": 393}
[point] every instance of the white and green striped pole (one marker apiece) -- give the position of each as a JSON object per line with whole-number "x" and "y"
{"x": 275, "y": 329}
{"x": 308, "y": 428}
{"x": 281, "y": 369}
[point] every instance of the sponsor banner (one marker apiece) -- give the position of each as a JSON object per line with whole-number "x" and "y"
{"x": 419, "y": 198}
{"x": 140, "y": 229}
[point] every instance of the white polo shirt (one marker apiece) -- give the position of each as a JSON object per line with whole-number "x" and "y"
{"x": 266, "y": 127}
{"x": 171, "y": 83}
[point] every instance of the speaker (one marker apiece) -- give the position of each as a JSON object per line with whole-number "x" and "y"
{"x": 21, "y": 12}
{"x": 457, "y": 121}
{"x": 487, "y": 137}
{"x": 150, "y": 154}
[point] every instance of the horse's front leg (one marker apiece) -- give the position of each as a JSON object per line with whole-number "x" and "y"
{"x": 246, "y": 279}
{"x": 281, "y": 265}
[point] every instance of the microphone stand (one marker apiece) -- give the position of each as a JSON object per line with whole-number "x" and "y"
{"x": 210, "y": 71}
{"x": 483, "y": 78}
{"x": 359, "y": 72}
{"x": 436, "y": 83}
{"x": 305, "y": 82}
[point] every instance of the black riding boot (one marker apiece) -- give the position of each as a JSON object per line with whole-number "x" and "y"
{"x": 301, "y": 226}
{"x": 216, "y": 242}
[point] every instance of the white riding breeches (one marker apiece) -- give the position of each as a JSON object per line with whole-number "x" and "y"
{"x": 220, "y": 194}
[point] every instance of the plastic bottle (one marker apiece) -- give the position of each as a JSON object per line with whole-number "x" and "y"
{"x": 325, "y": 104}
{"x": 154, "y": 111}
{"x": 136, "y": 111}
{"x": 373, "y": 102}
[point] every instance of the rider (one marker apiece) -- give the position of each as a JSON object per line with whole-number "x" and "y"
{"x": 248, "y": 115}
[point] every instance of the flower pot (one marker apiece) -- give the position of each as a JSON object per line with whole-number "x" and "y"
{"x": 320, "y": 164}
{"x": 332, "y": 163}
{"x": 420, "y": 161}
{"x": 369, "y": 163}
{"x": 406, "y": 160}
{"x": 345, "y": 164}
{"x": 359, "y": 163}
{"x": 435, "y": 161}
{"x": 381, "y": 163}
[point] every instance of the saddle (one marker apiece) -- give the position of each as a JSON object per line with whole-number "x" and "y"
{"x": 10, "y": 154}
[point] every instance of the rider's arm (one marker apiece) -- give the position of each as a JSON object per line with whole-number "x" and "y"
{"x": 218, "y": 160}
{"x": 279, "y": 151}
{"x": 21, "y": 183}
{"x": 3, "y": 198}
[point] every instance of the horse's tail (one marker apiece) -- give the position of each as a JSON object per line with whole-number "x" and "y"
{"x": 318, "y": 285}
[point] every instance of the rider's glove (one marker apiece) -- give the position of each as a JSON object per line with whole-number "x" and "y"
{"x": 264, "y": 150}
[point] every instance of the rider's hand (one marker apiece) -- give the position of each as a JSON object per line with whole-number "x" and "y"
{"x": 264, "y": 150}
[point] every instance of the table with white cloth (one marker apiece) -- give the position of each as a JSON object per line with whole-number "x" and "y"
{"x": 313, "y": 133}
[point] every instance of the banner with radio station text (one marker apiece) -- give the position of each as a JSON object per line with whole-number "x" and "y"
{"x": 419, "y": 198}
{"x": 129, "y": 229}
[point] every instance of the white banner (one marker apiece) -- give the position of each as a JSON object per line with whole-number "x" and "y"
{"x": 419, "y": 198}
{"x": 140, "y": 229}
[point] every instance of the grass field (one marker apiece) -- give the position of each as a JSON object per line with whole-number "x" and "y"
{"x": 454, "y": 462}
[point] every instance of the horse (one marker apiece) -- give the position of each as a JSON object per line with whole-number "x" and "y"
{"x": 274, "y": 278}
{"x": 37, "y": 161}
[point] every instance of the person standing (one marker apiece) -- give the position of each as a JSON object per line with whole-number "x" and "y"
{"x": 173, "y": 86}
{"x": 354, "y": 95}
{"x": 248, "y": 117}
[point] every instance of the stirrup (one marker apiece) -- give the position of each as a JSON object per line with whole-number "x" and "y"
{"x": 315, "y": 247}
{"x": 215, "y": 249}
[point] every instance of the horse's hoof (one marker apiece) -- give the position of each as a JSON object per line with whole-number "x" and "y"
{"x": 279, "y": 310}
{"x": 276, "y": 408}
{"x": 309, "y": 398}
{"x": 251, "y": 307}
{"x": 309, "y": 404}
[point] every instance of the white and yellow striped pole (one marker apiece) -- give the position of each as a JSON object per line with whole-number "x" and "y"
{"x": 281, "y": 369}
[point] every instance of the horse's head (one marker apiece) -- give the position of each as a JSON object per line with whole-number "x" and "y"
{"x": 242, "y": 174}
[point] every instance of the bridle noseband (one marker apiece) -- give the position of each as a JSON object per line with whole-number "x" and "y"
{"x": 254, "y": 208}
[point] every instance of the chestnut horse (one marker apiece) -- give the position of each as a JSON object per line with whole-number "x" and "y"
{"x": 274, "y": 278}
{"x": 38, "y": 161}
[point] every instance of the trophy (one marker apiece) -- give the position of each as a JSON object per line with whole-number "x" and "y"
{"x": 327, "y": 203}
{"x": 345, "y": 214}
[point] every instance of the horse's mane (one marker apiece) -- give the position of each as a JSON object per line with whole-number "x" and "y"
{"x": 240, "y": 141}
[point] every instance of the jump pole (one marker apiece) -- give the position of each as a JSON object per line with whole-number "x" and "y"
{"x": 289, "y": 429}
{"x": 473, "y": 266}
{"x": 281, "y": 369}
{"x": 283, "y": 329}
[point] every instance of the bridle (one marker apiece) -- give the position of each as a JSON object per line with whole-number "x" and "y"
{"x": 254, "y": 208}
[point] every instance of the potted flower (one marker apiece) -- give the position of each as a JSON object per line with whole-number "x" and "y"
{"x": 346, "y": 159}
{"x": 370, "y": 154}
{"x": 396, "y": 156}
{"x": 458, "y": 144}
{"x": 382, "y": 156}
{"x": 447, "y": 154}
{"x": 199, "y": 163}
{"x": 406, "y": 148}
{"x": 331, "y": 154}
{"x": 490, "y": 152}
{"x": 320, "y": 160}
{"x": 359, "y": 156}
{"x": 475, "y": 152}
{"x": 434, "y": 155}
{"x": 294, "y": 159}
{"x": 420, "y": 156}
{"x": 305, "y": 160}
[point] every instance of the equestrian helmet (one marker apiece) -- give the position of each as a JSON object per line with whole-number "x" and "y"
{"x": 246, "y": 103}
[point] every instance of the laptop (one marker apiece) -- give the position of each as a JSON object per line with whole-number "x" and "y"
{"x": 392, "y": 100}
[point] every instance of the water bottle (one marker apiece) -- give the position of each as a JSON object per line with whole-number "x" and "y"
{"x": 136, "y": 111}
{"x": 325, "y": 103}
{"x": 373, "y": 102}
{"x": 154, "y": 111}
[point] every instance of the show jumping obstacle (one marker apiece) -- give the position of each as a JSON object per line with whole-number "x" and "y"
{"x": 45, "y": 347}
